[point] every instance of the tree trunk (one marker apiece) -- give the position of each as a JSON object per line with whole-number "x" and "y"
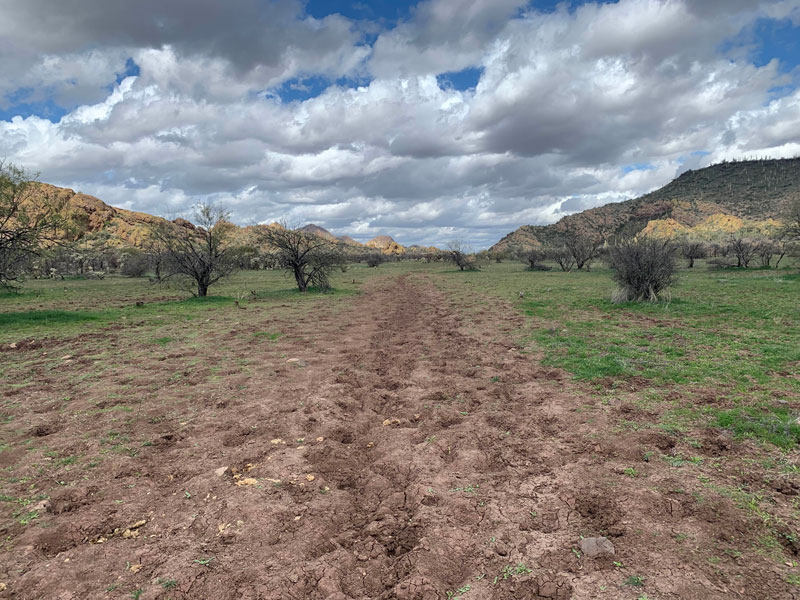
{"x": 300, "y": 279}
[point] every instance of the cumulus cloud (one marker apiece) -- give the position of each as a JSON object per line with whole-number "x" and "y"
{"x": 573, "y": 108}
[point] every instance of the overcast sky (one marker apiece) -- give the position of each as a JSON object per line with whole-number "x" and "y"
{"x": 427, "y": 121}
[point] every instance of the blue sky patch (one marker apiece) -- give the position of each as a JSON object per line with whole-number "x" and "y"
{"x": 131, "y": 70}
{"x": 465, "y": 79}
{"x": 638, "y": 167}
{"x": 777, "y": 39}
{"x": 388, "y": 12}
{"x": 299, "y": 89}
{"x": 19, "y": 105}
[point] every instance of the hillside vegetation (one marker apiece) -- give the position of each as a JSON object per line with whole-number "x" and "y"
{"x": 708, "y": 204}
{"x": 93, "y": 223}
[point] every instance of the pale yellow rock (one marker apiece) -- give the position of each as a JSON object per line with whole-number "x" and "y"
{"x": 247, "y": 481}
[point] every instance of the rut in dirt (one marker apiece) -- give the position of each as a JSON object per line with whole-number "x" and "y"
{"x": 431, "y": 458}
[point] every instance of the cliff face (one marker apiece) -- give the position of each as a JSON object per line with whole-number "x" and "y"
{"x": 88, "y": 216}
{"x": 708, "y": 203}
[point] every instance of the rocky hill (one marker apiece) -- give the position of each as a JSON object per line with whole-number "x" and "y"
{"x": 92, "y": 222}
{"x": 386, "y": 245}
{"x": 708, "y": 203}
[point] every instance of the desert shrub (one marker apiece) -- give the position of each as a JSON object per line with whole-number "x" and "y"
{"x": 134, "y": 264}
{"x": 643, "y": 268}
{"x": 373, "y": 260}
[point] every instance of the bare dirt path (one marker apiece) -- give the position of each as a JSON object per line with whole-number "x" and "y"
{"x": 410, "y": 452}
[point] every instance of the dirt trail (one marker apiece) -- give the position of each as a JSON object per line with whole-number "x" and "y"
{"x": 410, "y": 453}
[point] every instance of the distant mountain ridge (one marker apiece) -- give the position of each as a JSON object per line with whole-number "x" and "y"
{"x": 706, "y": 203}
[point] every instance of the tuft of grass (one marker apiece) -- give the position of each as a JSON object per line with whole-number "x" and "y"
{"x": 777, "y": 425}
{"x": 634, "y": 581}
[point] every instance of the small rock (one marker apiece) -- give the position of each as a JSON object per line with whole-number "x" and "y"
{"x": 227, "y": 536}
{"x": 597, "y": 547}
{"x": 221, "y": 471}
{"x": 297, "y": 361}
{"x": 13, "y": 346}
{"x": 247, "y": 481}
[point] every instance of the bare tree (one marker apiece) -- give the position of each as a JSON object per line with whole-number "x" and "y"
{"x": 643, "y": 268}
{"x": 583, "y": 248}
{"x": 743, "y": 249}
{"x": 310, "y": 258}
{"x": 29, "y": 219}
{"x": 563, "y": 258}
{"x": 460, "y": 255}
{"x": 692, "y": 250}
{"x": 533, "y": 258}
{"x": 766, "y": 250}
{"x": 197, "y": 251}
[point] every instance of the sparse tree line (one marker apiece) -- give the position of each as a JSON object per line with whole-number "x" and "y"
{"x": 577, "y": 252}
{"x": 200, "y": 253}
{"x": 34, "y": 231}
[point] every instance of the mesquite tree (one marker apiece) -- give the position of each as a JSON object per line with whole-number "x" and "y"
{"x": 692, "y": 250}
{"x": 30, "y": 217}
{"x": 583, "y": 248}
{"x": 461, "y": 256}
{"x": 309, "y": 257}
{"x": 198, "y": 251}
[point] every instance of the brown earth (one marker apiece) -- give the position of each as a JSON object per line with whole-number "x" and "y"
{"x": 408, "y": 453}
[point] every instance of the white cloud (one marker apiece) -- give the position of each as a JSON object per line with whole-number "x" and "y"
{"x": 565, "y": 103}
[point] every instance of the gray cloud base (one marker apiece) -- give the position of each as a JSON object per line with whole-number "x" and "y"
{"x": 573, "y": 108}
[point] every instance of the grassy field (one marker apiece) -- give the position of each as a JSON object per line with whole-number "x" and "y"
{"x": 723, "y": 350}
{"x": 106, "y": 386}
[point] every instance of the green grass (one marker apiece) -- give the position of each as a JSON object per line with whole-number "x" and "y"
{"x": 732, "y": 328}
{"x": 48, "y": 318}
{"x": 777, "y": 425}
{"x": 730, "y": 337}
